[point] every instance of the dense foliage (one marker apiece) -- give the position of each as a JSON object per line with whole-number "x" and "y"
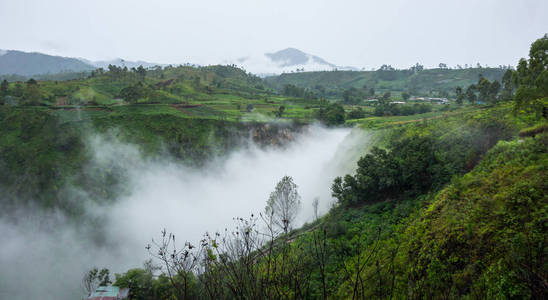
{"x": 411, "y": 223}
{"x": 531, "y": 78}
{"x": 388, "y": 109}
{"x": 450, "y": 206}
{"x": 422, "y": 157}
{"x": 353, "y": 85}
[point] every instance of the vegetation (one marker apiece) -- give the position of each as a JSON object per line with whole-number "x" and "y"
{"x": 443, "y": 233}
{"x": 453, "y": 207}
{"x": 353, "y": 85}
{"x": 449, "y": 203}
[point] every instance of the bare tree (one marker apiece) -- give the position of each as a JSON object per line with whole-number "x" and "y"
{"x": 180, "y": 263}
{"x": 250, "y": 262}
{"x": 315, "y": 204}
{"x": 284, "y": 204}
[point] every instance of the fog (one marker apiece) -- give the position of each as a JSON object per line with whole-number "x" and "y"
{"x": 45, "y": 256}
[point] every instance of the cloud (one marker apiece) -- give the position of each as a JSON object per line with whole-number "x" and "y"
{"x": 44, "y": 254}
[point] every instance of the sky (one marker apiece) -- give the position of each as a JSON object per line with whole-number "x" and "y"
{"x": 363, "y": 34}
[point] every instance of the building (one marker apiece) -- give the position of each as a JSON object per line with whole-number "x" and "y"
{"x": 438, "y": 100}
{"x": 109, "y": 293}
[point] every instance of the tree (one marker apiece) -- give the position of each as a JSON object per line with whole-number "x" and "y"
{"x": 4, "y": 88}
{"x": 283, "y": 204}
{"x": 139, "y": 282}
{"x": 356, "y": 113}
{"x": 494, "y": 91}
{"x": 280, "y": 112}
{"x": 352, "y": 96}
{"x": 410, "y": 166}
{"x": 32, "y": 93}
{"x": 460, "y": 95}
{"x": 508, "y": 86}
{"x": 484, "y": 89}
{"x": 180, "y": 263}
{"x": 416, "y": 68}
{"x": 134, "y": 92}
{"x": 442, "y": 66}
{"x": 386, "y": 96}
{"x": 331, "y": 114}
{"x": 315, "y": 204}
{"x": 405, "y": 96}
{"x": 141, "y": 72}
{"x": 532, "y": 80}
{"x": 94, "y": 279}
{"x": 471, "y": 93}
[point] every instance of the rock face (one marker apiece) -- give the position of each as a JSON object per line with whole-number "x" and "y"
{"x": 275, "y": 134}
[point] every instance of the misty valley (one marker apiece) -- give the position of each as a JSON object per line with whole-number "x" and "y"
{"x": 160, "y": 192}
{"x": 281, "y": 175}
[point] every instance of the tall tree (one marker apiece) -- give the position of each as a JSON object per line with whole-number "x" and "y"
{"x": 532, "y": 78}
{"x": 494, "y": 91}
{"x": 484, "y": 88}
{"x": 460, "y": 95}
{"x": 141, "y": 72}
{"x": 32, "y": 93}
{"x": 471, "y": 93}
{"x": 507, "y": 85}
{"x": 284, "y": 204}
{"x": 4, "y": 88}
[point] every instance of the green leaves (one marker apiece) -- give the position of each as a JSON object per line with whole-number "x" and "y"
{"x": 532, "y": 78}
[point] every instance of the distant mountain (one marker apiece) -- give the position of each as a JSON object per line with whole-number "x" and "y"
{"x": 286, "y": 61}
{"x": 34, "y": 63}
{"x": 294, "y": 57}
{"x": 120, "y": 62}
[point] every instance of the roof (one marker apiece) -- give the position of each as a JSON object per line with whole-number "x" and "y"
{"x": 105, "y": 291}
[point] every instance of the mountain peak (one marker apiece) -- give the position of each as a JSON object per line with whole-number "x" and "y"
{"x": 289, "y": 57}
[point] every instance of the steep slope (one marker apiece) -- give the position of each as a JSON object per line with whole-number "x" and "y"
{"x": 485, "y": 235}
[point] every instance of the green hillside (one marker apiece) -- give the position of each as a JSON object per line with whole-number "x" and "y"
{"x": 448, "y": 200}
{"x": 426, "y": 82}
{"x": 447, "y": 206}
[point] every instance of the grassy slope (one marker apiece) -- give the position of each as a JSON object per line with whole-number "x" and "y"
{"x": 335, "y": 82}
{"x": 42, "y": 149}
{"x": 485, "y": 234}
{"x": 482, "y": 236}
{"x": 216, "y": 92}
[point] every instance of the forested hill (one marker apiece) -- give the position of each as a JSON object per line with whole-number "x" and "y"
{"x": 416, "y": 80}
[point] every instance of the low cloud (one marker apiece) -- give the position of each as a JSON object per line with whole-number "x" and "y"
{"x": 45, "y": 255}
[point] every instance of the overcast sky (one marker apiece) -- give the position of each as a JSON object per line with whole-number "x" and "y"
{"x": 357, "y": 33}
